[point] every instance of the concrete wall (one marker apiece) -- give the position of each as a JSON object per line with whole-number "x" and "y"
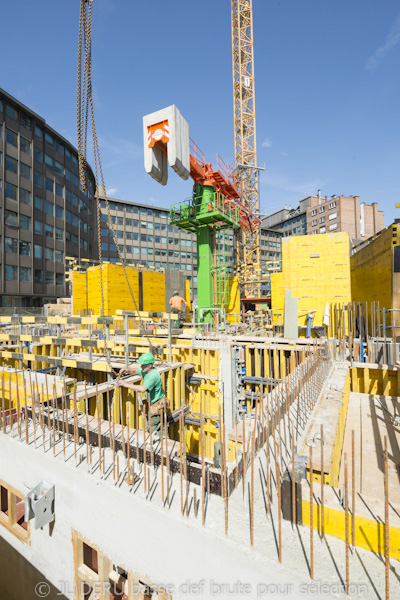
{"x": 134, "y": 533}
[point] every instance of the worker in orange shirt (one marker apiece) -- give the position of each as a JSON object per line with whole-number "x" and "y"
{"x": 176, "y": 303}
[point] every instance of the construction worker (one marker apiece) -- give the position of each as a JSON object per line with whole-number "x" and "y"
{"x": 176, "y": 307}
{"x": 152, "y": 386}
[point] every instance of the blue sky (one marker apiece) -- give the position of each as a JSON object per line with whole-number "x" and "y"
{"x": 327, "y": 88}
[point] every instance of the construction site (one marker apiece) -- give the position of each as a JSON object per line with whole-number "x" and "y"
{"x": 265, "y": 460}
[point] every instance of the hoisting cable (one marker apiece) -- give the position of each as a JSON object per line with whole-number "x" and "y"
{"x": 84, "y": 99}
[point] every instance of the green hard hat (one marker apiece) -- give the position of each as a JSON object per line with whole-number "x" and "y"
{"x": 146, "y": 359}
{"x": 175, "y": 292}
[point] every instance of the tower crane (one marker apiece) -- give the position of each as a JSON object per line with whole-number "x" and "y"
{"x": 246, "y": 169}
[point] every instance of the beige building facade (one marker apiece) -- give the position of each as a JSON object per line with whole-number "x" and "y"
{"x": 343, "y": 213}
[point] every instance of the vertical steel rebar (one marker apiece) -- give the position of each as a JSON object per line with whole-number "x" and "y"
{"x": 3, "y": 402}
{"x": 18, "y": 406}
{"x": 98, "y": 423}
{"x": 181, "y": 456}
{"x": 322, "y": 484}
{"x": 144, "y": 451}
{"x": 353, "y": 492}
{"x": 311, "y": 517}
{"x": 267, "y": 461}
{"x": 387, "y": 557}
{"x": 293, "y": 481}
{"x": 86, "y": 424}
{"x": 346, "y": 509}
{"x": 278, "y": 482}
{"x": 162, "y": 455}
{"x": 202, "y": 463}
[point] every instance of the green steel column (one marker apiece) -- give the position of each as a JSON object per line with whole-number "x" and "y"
{"x": 205, "y": 263}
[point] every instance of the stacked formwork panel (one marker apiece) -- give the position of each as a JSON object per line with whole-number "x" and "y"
{"x": 148, "y": 289}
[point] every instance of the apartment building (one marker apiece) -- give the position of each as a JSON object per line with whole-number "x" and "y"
{"x": 342, "y": 213}
{"x": 317, "y": 214}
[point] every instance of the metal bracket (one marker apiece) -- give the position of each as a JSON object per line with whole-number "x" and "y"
{"x": 39, "y": 504}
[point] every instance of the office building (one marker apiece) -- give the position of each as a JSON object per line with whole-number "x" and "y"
{"x": 45, "y": 215}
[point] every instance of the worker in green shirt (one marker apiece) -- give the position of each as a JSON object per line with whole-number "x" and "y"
{"x": 152, "y": 386}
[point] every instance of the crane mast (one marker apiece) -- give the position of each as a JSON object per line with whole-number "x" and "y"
{"x": 248, "y": 254}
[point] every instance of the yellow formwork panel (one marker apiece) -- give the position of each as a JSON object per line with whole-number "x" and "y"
{"x": 377, "y": 381}
{"x": 87, "y": 289}
{"x": 369, "y": 534}
{"x": 153, "y": 291}
{"x": 317, "y": 270}
{"x": 234, "y": 300}
{"x": 371, "y": 269}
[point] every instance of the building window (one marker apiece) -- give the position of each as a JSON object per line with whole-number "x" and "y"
{"x": 38, "y": 132}
{"x": 10, "y": 190}
{"x": 25, "y": 171}
{"x": 38, "y": 227}
{"x": 59, "y": 234}
{"x": 48, "y": 138}
{"x": 48, "y": 230}
{"x": 25, "y": 196}
{"x": 24, "y": 222}
{"x": 322, "y": 209}
{"x": 11, "y": 218}
{"x": 332, "y": 216}
{"x": 48, "y": 254}
{"x": 38, "y": 251}
{"x": 314, "y": 212}
{"x": 38, "y": 178}
{"x": 11, "y": 137}
{"x": 11, "y": 164}
{"x": 49, "y": 162}
{"x": 332, "y": 204}
{"x": 59, "y": 212}
{"x": 10, "y": 273}
{"x": 333, "y": 227}
{"x": 315, "y": 231}
{"x": 59, "y": 147}
{"x": 10, "y": 245}
{"x": 38, "y": 203}
{"x": 12, "y": 512}
{"x": 59, "y": 256}
{"x": 322, "y": 230}
{"x": 322, "y": 220}
{"x": 25, "y": 248}
{"x": 38, "y": 276}
{"x": 49, "y": 184}
{"x": 58, "y": 168}
{"x": 59, "y": 279}
{"x": 25, "y": 145}
{"x": 315, "y": 222}
{"x": 11, "y": 112}
{"x": 49, "y": 277}
{"x": 48, "y": 208}
{"x": 26, "y": 121}
{"x": 24, "y": 274}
